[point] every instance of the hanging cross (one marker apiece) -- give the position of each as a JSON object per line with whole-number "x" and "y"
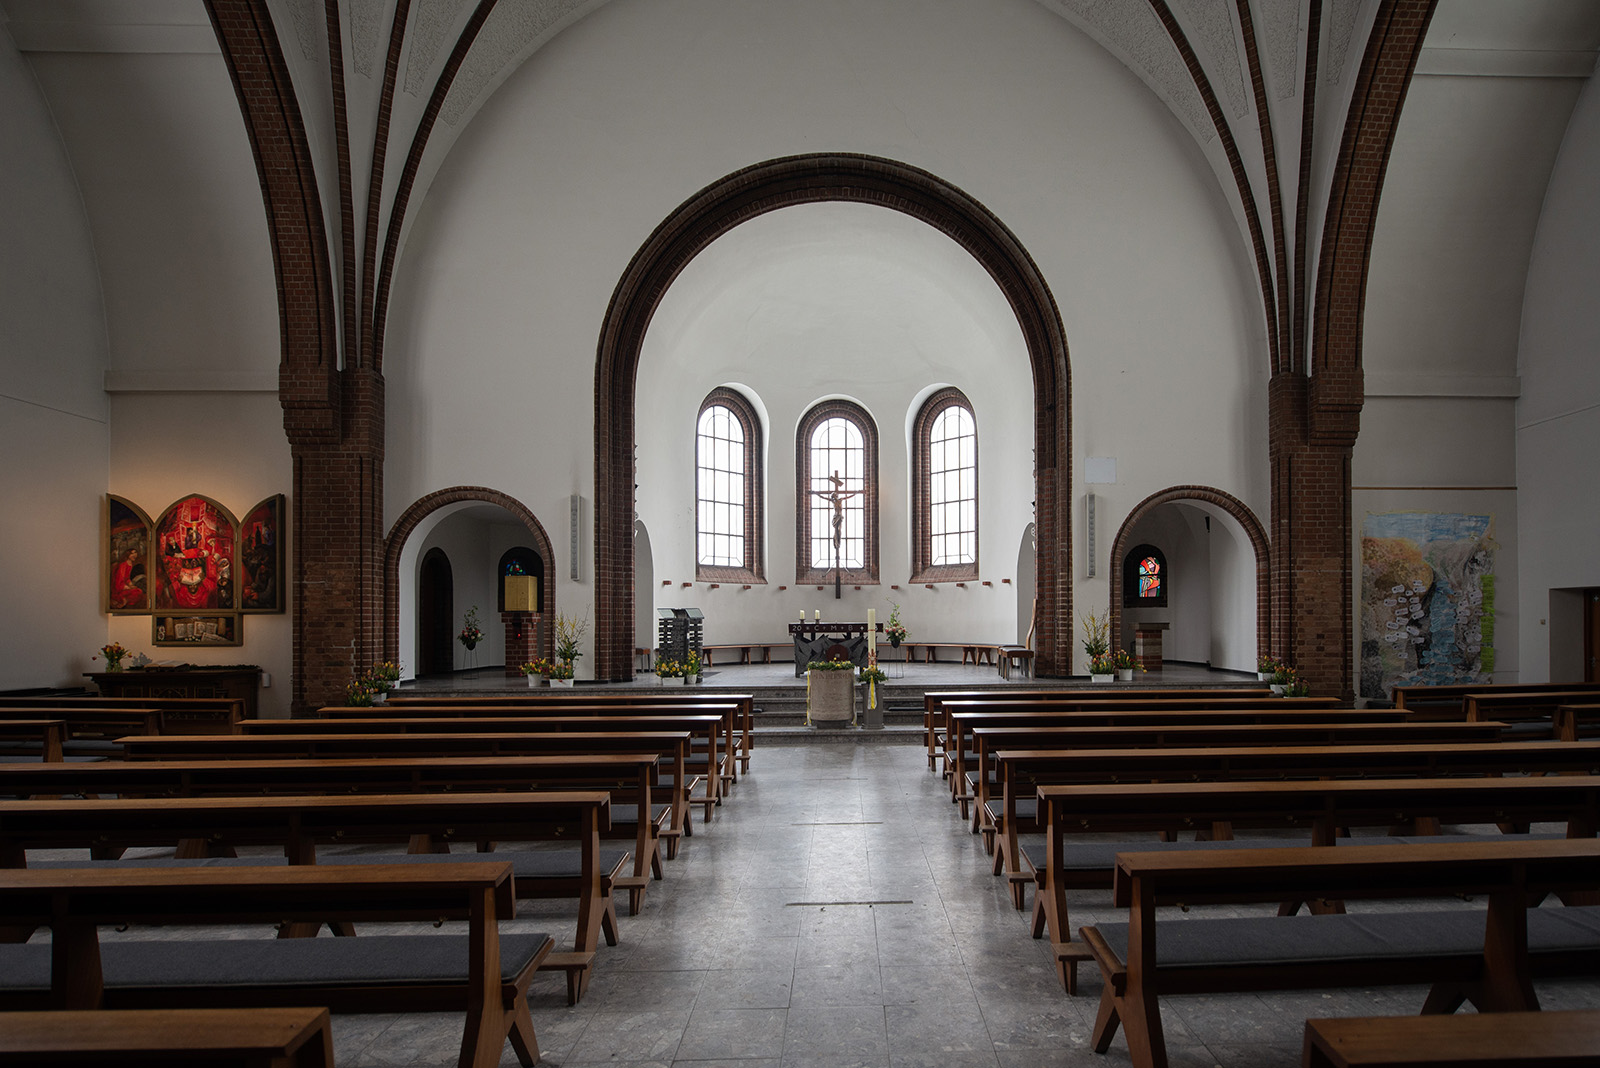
{"x": 836, "y": 496}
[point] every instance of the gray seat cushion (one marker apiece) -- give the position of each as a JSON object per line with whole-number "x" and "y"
{"x": 386, "y": 960}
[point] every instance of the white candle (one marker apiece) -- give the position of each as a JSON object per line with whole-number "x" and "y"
{"x": 817, "y": 615}
{"x": 872, "y": 631}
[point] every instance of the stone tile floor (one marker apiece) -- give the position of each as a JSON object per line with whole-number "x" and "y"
{"x": 838, "y": 913}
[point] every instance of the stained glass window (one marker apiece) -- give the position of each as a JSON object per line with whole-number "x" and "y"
{"x": 1150, "y": 577}
{"x": 1146, "y": 578}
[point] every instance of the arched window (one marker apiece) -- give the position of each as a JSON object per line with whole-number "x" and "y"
{"x": 944, "y": 494}
{"x": 1144, "y": 578}
{"x": 836, "y": 454}
{"x": 728, "y": 518}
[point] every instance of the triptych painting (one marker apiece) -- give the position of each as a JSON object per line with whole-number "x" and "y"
{"x": 194, "y": 569}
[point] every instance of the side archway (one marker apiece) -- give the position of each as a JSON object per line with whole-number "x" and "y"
{"x": 806, "y": 179}
{"x": 412, "y": 517}
{"x": 1225, "y": 502}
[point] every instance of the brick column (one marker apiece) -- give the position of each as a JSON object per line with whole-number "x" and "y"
{"x": 1311, "y": 556}
{"x": 337, "y": 515}
{"x": 522, "y": 631}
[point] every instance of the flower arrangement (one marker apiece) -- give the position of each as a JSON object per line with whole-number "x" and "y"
{"x": 1125, "y": 661}
{"x": 386, "y": 675}
{"x": 358, "y": 692}
{"x": 536, "y": 667}
{"x": 471, "y": 630}
{"x": 1298, "y": 687}
{"x": 113, "y": 655}
{"x": 830, "y": 665}
{"x": 668, "y": 669}
{"x": 1282, "y": 675}
{"x": 560, "y": 669}
{"x": 691, "y": 666}
{"x": 1096, "y": 629}
{"x": 569, "y": 633}
{"x": 1267, "y": 666}
{"x": 1102, "y": 664}
{"x": 895, "y": 630}
{"x": 871, "y": 674}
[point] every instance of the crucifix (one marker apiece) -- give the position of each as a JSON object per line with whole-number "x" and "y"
{"x": 836, "y": 496}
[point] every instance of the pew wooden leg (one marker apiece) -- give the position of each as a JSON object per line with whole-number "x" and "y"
{"x": 608, "y": 921}
{"x": 523, "y": 1040}
{"x": 487, "y": 1026}
{"x": 76, "y": 981}
{"x": 1105, "y": 1021}
{"x": 1507, "y": 985}
{"x": 1443, "y": 999}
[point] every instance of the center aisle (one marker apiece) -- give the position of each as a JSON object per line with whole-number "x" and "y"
{"x": 836, "y": 913}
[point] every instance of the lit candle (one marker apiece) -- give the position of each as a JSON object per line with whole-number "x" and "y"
{"x": 872, "y": 631}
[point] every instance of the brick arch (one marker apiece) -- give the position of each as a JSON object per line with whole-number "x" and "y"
{"x": 1228, "y": 503}
{"x": 780, "y": 183}
{"x": 420, "y": 509}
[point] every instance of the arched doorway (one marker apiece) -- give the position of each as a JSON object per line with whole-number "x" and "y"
{"x": 405, "y": 552}
{"x": 780, "y": 183}
{"x": 435, "y": 614}
{"x": 1216, "y": 593}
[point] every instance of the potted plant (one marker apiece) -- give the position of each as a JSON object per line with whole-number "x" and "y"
{"x": 830, "y": 692}
{"x": 358, "y": 693}
{"x": 569, "y": 636}
{"x": 1266, "y": 667}
{"x": 1298, "y": 687}
{"x": 471, "y": 632}
{"x": 1096, "y": 645}
{"x": 385, "y": 676}
{"x": 1282, "y": 679}
{"x": 1125, "y": 663}
{"x": 537, "y": 672}
{"x": 560, "y": 673}
{"x": 691, "y": 668}
{"x": 113, "y": 654}
{"x": 667, "y": 669}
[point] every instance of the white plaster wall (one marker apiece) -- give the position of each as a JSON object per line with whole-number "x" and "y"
{"x": 226, "y": 446}
{"x": 1179, "y": 532}
{"x": 469, "y": 544}
{"x": 1233, "y": 594}
{"x": 180, "y": 232}
{"x": 504, "y": 281}
{"x": 53, "y": 415}
{"x": 1558, "y": 415}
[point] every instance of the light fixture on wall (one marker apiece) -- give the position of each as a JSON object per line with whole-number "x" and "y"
{"x": 1088, "y": 526}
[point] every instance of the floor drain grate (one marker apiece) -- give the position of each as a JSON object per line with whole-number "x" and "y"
{"x": 828, "y": 904}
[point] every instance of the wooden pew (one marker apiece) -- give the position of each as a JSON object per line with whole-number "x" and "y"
{"x": 1528, "y": 713}
{"x": 152, "y": 1038}
{"x": 627, "y": 777}
{"x": 1023, "y": 771}
{"x": 1316, "y": 809}
{"x": 81, "y": 974}
{"x": 191, "y": 715}
{"x": 933, "y": 722}
{"x": 1486, "y": 953}
{"x": 672, "y": 746}
{"x": 1573, "y": 722}
{"x": 744, "y": 726}
{"x": 90, "y": 732}
{"x": 298, "y": 824}
{"x": 1487, "y": 1040}
{"x": 961, "y": 717}
{"x": 707, "y": 735}
{"x": 713, "y": 721}
{"x": 30, "y": 739}
{"x": 1450, "y": 701}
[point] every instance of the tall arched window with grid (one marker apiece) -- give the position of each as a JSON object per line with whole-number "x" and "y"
{"x": 728, "y": 518}
{"x": 944, "y": 502}
{"x": 837, "y": 483}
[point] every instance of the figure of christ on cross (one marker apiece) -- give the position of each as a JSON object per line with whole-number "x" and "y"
{"x": 836, "y": 495}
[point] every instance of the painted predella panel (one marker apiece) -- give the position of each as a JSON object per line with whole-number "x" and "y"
{"x": 1427, "y": 600}
{"x": 127, "y": 557}
{"x": 194, "y": 543}
{"x": 261, "y": 557}
{"x": 225, "y": 628}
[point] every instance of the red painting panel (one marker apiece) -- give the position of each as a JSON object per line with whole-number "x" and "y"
{"x": 194, "y": 545}
{"x": 127, "y": 558}
{"x": 261, "y": 557}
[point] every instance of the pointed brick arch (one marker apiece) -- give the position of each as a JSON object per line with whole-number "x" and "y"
{"x": 1234, "y": 507}
{"x": 807, "y": 179}
{"x": 421, "y": 508}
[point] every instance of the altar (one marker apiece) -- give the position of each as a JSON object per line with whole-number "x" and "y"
{"x": 827, "y": 640}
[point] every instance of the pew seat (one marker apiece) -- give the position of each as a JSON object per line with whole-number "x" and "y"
{"x": 1500, "y": 1040}
{"x": 153, "y": 1038}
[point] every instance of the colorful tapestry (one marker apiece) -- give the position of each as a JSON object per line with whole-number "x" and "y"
{"x": 1427, "y": 600}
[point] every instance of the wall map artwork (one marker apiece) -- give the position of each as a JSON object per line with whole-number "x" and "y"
{"x": 1427, "y": 600}
{"x": 195, "y": 567}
